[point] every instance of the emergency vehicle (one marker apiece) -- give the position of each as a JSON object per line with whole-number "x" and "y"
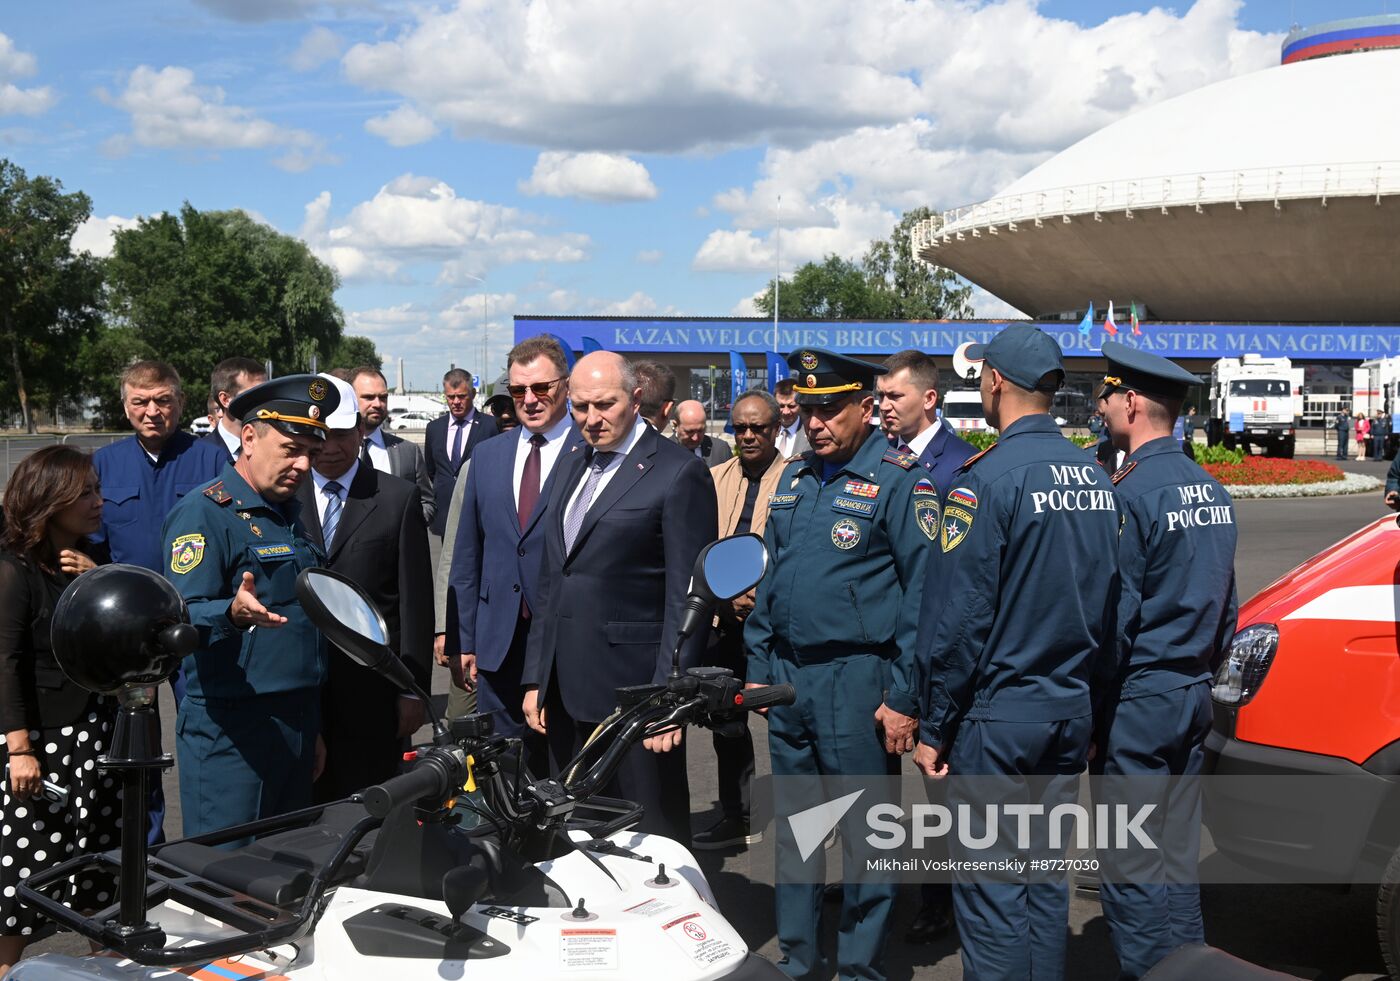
{"x": 1375, "y": 387}
{"x": 1255, "y": 401}
{"x": 1307, "y": 727}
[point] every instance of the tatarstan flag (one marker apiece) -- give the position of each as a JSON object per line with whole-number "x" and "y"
{"x": 1137, "y": 331}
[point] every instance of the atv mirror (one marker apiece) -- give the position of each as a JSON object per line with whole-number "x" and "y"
{"x": 732, "y": 566}
{"x": 350, "y": 621}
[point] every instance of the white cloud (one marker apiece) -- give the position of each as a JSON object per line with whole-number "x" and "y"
{"x": 168, "y": 110}
{"x": 404, "y": 126}
{"x": 989, "y": 307}
{"x": 593, "y": 176}
{"x": 421, "y": 220}
{"x": 650, "y": 257}
{"x": 747, "y": 307}
{"x": 318, "y": 46}
{"x": 636, "y": 305}
{"x": 579, "y": 77}
{"x": 98, "y": 235}
{"x": 16, "y": 101}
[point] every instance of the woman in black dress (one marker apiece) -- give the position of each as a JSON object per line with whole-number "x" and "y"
{"x": 53, "y": 729}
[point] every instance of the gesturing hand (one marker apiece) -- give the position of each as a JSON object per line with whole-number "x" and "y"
{"x": 246, "y": 611}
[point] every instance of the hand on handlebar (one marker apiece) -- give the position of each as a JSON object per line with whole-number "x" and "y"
{"x": 534, "y": 712}
{"x": 665, "y": 742}
{"x": 755, "y": 684}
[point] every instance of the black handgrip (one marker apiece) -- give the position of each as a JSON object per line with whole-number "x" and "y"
{"x": 757, "y": 698}
{"x": 437, "y": 774}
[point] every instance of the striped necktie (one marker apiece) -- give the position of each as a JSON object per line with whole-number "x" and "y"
{"x": 331, "y": 521}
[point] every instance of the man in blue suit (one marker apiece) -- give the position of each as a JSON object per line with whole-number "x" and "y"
{"x": 628, "y": 516}
{"x": 494, "y": 589}
{"x": 909, "y": 415}
{"x": 450, "y": 439}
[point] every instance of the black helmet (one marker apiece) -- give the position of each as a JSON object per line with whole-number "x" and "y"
{"x": 121, "y": 625}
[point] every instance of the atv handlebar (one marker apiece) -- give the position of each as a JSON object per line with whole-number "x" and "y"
{"x": 439, "y": 772}
{"x": 757, "y": 698}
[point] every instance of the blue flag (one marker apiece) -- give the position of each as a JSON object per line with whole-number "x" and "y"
{"x": 568, "y": 351}
{"x": 1087, "y": 324}
{"x": 591, "y": 344}
{"x": 777, "y": 370}
{"x": 738, "y": 383}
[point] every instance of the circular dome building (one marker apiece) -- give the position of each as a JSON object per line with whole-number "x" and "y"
{"x": 1273, "y": 197}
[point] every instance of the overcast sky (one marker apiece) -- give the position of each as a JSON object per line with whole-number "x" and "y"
{"x": 603, "y": 157}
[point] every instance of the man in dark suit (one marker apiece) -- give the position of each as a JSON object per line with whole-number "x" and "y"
{"x": 231, "y": 376}
{"x": 691, "y": 435}
{"x": 450, "y": 440}
{"x": 383, "y": 450}
{"x": 370, "y": 526}
{"x": 628, "y": 513}
{"x": 500, "y": 538}
{"x": 908, "y": 403}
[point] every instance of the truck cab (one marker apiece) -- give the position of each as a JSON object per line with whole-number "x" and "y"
{"x": 962, "y": 410}
{"x": 1254, "y": 401}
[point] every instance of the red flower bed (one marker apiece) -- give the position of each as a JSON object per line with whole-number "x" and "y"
{"x": 1268, "y": 470}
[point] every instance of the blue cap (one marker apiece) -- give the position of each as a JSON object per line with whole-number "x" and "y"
{"x": 296, "y": 404}
{"x": 822, "y": 377}
{"x": 1141, "y": 371}
{"x": 1023, "y": 353}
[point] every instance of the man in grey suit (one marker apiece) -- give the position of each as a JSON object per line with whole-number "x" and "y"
{"x": 690, "y": 433}
{"x": 384, "y": 451}
{"x": 792, "y": 439}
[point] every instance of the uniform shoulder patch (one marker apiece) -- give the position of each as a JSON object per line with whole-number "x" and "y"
{"x": 1123, "y": 471}
{"x": 186, "y": 552}
{"x": 926, "y": 516}
{"x": 216, "y": 493}
{"x": 924, "y": 486}
{"x": 967, "y": 464}
{"x": 902, "y": 460}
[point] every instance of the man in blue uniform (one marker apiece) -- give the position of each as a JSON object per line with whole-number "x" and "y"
{"x": 1014, "y": 616}
{"x": 247, "y": 736}
{"x": 1176, "y": 615}
{"x": 849, "y": 530}
{"x": 142, "y": 477}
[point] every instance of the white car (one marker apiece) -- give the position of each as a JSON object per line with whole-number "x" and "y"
{"x": 201, "y": 426}
{"x": 410, "y": 420}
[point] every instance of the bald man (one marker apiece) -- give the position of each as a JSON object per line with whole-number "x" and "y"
{"x": 691, "y": 435}
{"x": 628, "y": 510}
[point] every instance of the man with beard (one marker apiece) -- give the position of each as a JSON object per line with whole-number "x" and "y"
{"x": 384, "y": 451}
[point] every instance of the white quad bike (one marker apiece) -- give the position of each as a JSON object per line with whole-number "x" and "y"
{"x": 463, "y": 867}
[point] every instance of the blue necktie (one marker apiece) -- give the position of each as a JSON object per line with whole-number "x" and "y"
{"x": 333, "y": 508}
{"x": 457, "y": 445}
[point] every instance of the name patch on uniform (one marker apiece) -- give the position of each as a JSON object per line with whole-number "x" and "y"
{"x": 858, "y": 488}
{"x": 925, "y": 486}
{"x": 279, "y": 550}
{"x": 926, "y": 515}
{"x": 845, "y": 534}
{"x": 963, "y": 497}
{"x": 865, "y": 509}
{"x": 782, "y": 500}
{"x": 957, "y": 522}
{"x": 186, "y": 552}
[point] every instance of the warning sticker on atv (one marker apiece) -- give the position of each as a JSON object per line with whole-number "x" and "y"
{"x": 582, "y": 949}
{"x": 650, "y": 908}
{"x": 694, "y": 936}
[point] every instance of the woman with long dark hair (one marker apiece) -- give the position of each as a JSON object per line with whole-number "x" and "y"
{"x": 54, "y": 730}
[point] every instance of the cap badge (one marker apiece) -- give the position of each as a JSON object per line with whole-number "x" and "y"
{"x": 808, "y": 361}
{"x": 811, "y": 381}
{"x": 313, "y": 411}
{"x": 845, "y": 534}
{"x": 317, "y": 391}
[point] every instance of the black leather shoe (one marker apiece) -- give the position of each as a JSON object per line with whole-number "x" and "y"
{"x": 725, "y": 833}
{"x": 932, "y": 922}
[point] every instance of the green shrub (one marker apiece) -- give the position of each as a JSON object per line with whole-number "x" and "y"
{"x": 1216, "y": 454}
{"x": 1084, "y": 440}
{"x": 980, "y": 440}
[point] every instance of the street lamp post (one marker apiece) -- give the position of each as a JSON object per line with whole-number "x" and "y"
{"x": 485, "y": 329}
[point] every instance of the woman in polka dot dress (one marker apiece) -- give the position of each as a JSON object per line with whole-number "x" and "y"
{"x": 54, "y": 730}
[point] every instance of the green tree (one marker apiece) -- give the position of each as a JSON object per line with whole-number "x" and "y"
{"x": 49, "y": 298}
{"x": 887, "y": 284}
{"x": 202, "y": 286}
{"x": 354, "y": 351}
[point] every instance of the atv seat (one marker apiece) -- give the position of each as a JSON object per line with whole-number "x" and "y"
{"x": 278, "y": 868}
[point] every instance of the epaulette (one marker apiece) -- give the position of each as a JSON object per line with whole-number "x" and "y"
{"x": 217, "y": 494}
{"x": 1123, "y": 471}
{"x": 904, "y": 461}
{"x": 976, "y": 456}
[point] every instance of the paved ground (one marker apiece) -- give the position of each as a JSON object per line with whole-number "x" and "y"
{"x": 1305, "y": 931}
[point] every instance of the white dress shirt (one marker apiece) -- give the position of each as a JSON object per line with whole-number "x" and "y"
{"x": 320, "y": 480}
{"x": 613, "y": 466}
{"x": 787, "y": 438}
{"x": 234, "y": 441}
{"x": 919, "y": 443}
{"x": 549, "y": 453}
{"x": 378, "y": 452}
{"x": 452, "y": 431}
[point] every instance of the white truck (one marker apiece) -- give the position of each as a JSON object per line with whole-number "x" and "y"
{"x": 1255, "y": 401}
{"x": 1375, "y": 387}
{"x": 962, "y": 411}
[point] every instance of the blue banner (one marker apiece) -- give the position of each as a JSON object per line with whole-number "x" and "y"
{"x": 777, "y": 370}
{"x": 565, "y": 343}
{"x": 1303, "y": 342}
{"x": 591, "y": 344}
{"x": 738, "y": 383}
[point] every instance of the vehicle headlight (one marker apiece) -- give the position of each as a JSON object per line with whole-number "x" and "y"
{"x": 1242, "y": 672}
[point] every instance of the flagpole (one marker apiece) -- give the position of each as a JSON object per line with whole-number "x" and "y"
{"x": 778, "y": 270}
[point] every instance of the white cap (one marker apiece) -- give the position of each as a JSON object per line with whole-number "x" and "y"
{"x": 347, "y": 413}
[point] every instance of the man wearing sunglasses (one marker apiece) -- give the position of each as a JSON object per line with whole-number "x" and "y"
{"x": 499, "y": 538}
{"x": 450, "y": 439}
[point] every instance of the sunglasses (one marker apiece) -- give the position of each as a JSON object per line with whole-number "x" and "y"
{"x": 541, "y": 389}
{"x": 745, "y": 427}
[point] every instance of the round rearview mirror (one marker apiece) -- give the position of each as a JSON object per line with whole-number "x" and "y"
{"x": 732, "y": 566}
{"x": 347, "y": 617}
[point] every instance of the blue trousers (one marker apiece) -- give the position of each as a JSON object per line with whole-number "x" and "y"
{"x": 829, "y": 730}
{"x": 242, "y": 759}
{"x": 1153, "y": 905}
{"x": 1013, "y": 929}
